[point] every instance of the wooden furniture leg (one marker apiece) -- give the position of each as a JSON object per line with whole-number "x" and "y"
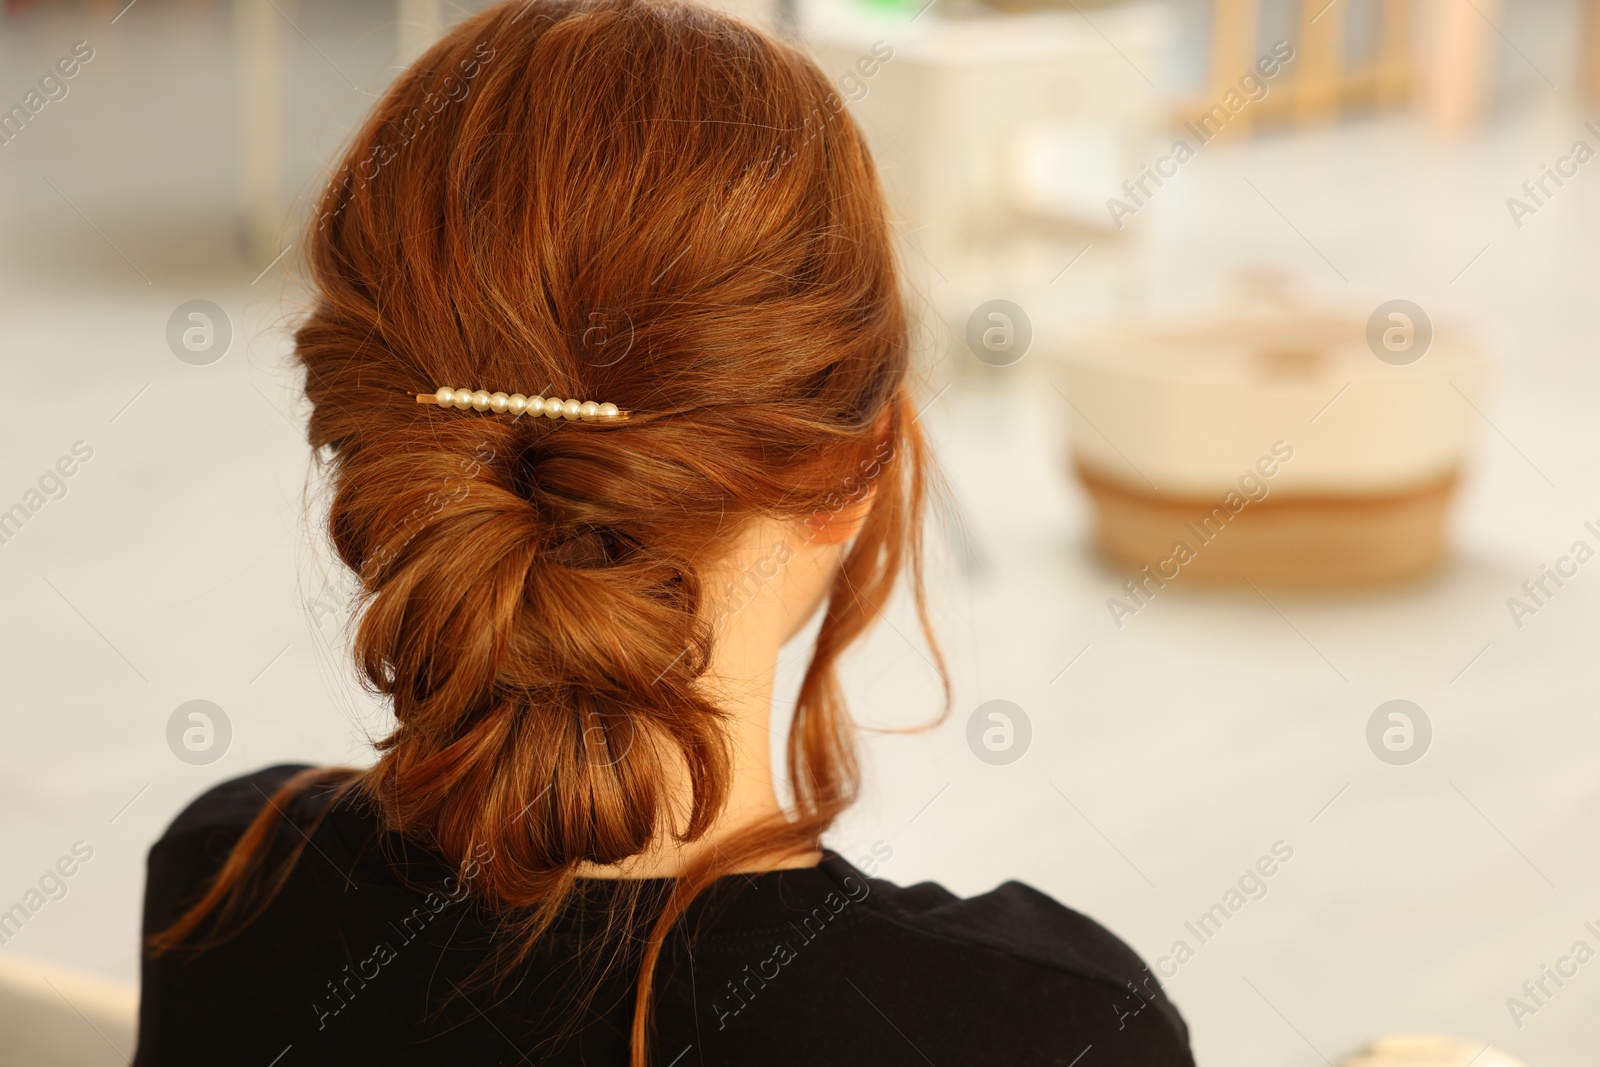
{"x": 1396, "y": 49}
{"x": 1589, "y": 58}
{"x": 1460, "y": 63}
{"x": 1320, "y": 65}
{"x": 1233, "y": 40}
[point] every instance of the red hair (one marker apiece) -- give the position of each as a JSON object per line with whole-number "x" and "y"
{"x": 536, "y": 603}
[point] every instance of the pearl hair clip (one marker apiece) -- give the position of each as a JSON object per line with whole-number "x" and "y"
{"x": 517, "y": 404}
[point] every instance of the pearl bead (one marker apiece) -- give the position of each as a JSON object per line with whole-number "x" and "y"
{"x": 516, "y": 403}
{"x": 445, "y": 396}
{"x": 463, "y": 399}
{"x": 480, "y": 400}
{"x": 571, "y": 408}
{"x": 536, "y": 405}
{"x": 608, "y": 411}
{"x": 552, "y": 407}
{"x": 498, "y": 402}
{"x": 589, "y": 410}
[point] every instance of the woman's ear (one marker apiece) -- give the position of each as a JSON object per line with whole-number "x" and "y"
{"x": 838, "y": 525}
{"x": 841, "y": 516}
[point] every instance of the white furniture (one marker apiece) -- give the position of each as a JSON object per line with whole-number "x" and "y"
{"x": 967, "y": 117}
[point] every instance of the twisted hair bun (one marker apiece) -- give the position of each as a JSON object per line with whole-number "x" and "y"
{"x": 641, "y": 202}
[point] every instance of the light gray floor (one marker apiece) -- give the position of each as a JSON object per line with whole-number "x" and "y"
{"x": 1167, "y": 758}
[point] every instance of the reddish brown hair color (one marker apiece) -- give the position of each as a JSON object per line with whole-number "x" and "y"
{"x": 632, "y": 201}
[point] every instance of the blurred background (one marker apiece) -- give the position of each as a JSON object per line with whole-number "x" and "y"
{"x": 1303, "y": 287}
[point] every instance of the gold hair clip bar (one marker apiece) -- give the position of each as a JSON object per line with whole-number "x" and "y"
{"x": 517, "y": 404}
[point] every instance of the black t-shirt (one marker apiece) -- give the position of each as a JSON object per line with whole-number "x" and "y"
{"x": 369, "y": 952}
